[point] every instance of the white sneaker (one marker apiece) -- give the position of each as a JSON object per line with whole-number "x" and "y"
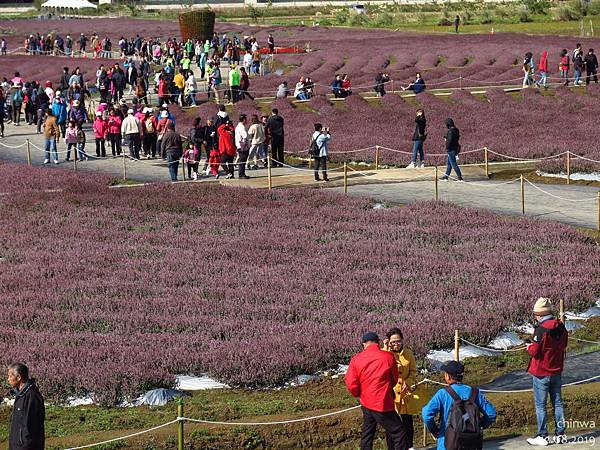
{"x": 538, "y": 440}
{"x": 560, "y": 439}
{"x": 411, "y": 165}
{"x": 46, "y": 161}
{"x": 421, "y": 166}
{"x": 194, "y": 176}
{"x": 55, "y": 161}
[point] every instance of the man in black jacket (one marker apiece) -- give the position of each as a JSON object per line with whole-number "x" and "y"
{"x": 64, "y": 79}
{"x": 276, "y": 131}
{"x": 172, "y": 149}
{"x": 453, "y": 149}
{"x": 591, "y": 66}
{"x": 27, "y": 424}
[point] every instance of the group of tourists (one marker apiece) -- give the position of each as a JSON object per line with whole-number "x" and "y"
{"x": 537, "y": 74}
{"x": 383, "y": 377}
{"x": 227, "y": 145}
{"x": 231, "y": 48}
{"x": 66, "y": 102}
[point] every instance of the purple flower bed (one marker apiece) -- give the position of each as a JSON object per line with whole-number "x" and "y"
{"x": 113, "y": 291}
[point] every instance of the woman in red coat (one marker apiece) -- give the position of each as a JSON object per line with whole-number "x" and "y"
{"x": 227, "y": 146}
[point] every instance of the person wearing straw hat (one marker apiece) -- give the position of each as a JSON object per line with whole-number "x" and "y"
{"x": 462, "y": 427}
{"x": 371, "y": 377}
{"x": 131, "y": 129}
{"x": 547, "y": 351}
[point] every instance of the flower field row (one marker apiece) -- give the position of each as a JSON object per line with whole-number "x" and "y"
{"x": 112, "y": 291}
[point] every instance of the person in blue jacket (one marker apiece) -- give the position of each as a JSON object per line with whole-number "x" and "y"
{"x": 441, "y": 403}
{"x": 416, "y": 86}
{"x": 59, "y": 109}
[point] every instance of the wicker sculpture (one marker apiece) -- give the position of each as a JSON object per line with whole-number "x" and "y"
{"x": 197, "y": 24}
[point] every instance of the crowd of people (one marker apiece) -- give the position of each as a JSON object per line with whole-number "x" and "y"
{"x": 175, "y": 81}
{"x": 537, "y": 74}
{"x": 384, "y": 378}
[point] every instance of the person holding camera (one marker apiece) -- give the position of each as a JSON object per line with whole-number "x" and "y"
{"x": 318, "y": 150}
{"x": 380, "y": 80}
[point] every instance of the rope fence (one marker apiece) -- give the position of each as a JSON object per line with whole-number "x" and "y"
{"x": 181, "y": 418}
{"x": 370, "y": 173}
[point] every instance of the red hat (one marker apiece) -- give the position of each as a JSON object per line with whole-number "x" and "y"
{"x": 48, "y": 84}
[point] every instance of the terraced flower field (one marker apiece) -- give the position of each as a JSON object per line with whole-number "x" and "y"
{"x": 113, "y": 291}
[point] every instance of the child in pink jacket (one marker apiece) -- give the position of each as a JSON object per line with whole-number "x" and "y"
{"x": 100, "y": 128}
{"x": 191, "y": 157}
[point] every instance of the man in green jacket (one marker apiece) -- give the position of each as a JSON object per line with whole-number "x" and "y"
{"x": 234, "y": 82}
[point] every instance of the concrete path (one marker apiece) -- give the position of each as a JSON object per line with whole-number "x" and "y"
{"x": 590, "y": 440}
{"x": 576, "y": 205}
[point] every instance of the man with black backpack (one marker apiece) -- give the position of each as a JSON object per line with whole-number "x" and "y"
{"x": 464, "y": 412}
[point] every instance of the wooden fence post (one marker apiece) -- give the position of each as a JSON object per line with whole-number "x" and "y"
{"x": 425, "y": 430}
{"x": 29, "y": 153}
{"x": 568, "y": 167}
{"x": 486, "y": 162}
{"x": 270, "y": 182}
{"x": 180, "y": 441}
{"x": 435, "y": 179}
{"x": 561, "y": 311}
{"x": 598, "y": 226}
{"x": 456, "y": 346}
{"x": 522, "y": 195}
{"x": 124, "y": 166}
{"x": 377, "y": 157}
{"x": 345, "y": 178}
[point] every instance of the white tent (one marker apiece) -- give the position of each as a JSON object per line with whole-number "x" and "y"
{"x": 71, "y": 4}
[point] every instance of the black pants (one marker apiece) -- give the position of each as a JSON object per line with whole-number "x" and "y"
{"x": 30, "y": 114}
{"x": 150, "y": 144}
{"x": 277, "y": 150}
{"x": 115, "y": 143}
{"x": 100, "y": 147}
{"x": 391, "y": 423}
{"x": 244, "y": 94}
{"x": 40, "y": 119}
{"x": 321, "y": 163}
{"x": 2, "y": 124}
{"x": 134, "y": 145}
{"x": 407, "y": 420}
{"x": 589, "y": 73}
{"x": 243, "y": 154}
{"x": 17, "y": 113}
{"x": 192, "y": 167}
{"x": 227, "y": 163}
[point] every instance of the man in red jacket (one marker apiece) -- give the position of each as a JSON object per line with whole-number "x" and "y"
{"x": 547, "y": 359}
{"x": 371, "y": 376}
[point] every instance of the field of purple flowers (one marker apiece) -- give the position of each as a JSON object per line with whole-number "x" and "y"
{"x": 112, "y": 291}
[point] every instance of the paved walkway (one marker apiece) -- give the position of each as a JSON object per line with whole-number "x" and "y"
{"x": 590, "y": 440}
{"x": 575, "y": 204}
